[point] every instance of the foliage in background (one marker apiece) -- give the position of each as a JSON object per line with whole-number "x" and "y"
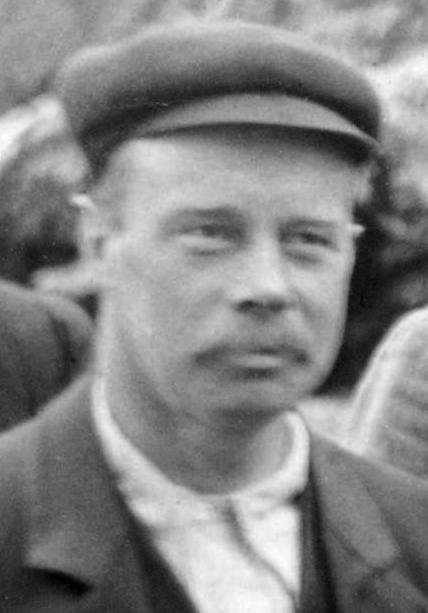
{"x": 391, "y": 269}
{"x": 36, "y": 35}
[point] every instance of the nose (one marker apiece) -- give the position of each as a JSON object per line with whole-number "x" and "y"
{"x": 264, "y": 284}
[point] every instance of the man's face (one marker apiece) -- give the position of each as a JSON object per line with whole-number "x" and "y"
{"x": 231, "y": 269}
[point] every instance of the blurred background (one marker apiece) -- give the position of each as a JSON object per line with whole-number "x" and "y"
{"x": 41, "y": 243}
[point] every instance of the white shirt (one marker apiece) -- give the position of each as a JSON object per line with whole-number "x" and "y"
{"x": 237, "y": 553}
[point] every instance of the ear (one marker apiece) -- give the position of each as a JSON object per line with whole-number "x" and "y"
{"x": 94, "y": 228}
{"x": 365, "y": 183}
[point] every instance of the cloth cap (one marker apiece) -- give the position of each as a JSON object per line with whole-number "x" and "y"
{"x": 207, "y": 74}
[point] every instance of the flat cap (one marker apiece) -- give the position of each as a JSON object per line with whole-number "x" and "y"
{"x": 212, "y": 73}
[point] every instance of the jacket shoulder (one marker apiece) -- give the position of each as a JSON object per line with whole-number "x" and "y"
{"x": 364, "y": 488}
{"x": 387, "y": 484}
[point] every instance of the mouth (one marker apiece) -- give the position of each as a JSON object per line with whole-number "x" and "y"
{"x": 254, "y": 359}
{"x": 261, "y": 358}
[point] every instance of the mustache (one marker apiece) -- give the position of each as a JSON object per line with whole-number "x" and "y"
{"x": 288, "y": 348}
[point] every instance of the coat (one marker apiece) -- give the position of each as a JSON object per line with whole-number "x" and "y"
{"x": 68, "y": 544}
{"x": 44, "y": 342}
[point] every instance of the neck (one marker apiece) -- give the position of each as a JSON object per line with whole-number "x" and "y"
{"x": 212, "y": 456}
{"x": 220, "y": 453}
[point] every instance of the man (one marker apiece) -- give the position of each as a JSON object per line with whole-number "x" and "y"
{"x": 227, "y": 158}
{"x": 389, "y": 410}
{"x": 44, "y": 344}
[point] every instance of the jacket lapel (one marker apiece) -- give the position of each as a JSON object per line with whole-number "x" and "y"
{"x": 79, "y": 529}
{"x": 316, "y": 587}
{"x": 361, "y": 552}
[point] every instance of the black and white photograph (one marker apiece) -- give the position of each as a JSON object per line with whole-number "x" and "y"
{"x": 213, "y": 306}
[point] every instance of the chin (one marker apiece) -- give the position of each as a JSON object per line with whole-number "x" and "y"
{"x": 261, "y": 399}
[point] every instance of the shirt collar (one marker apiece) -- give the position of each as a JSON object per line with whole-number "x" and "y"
{"x": 162, "y": 502}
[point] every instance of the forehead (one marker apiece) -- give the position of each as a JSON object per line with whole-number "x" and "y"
{"x": 228, "y": 167}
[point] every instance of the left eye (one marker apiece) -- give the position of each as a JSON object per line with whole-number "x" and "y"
{"x": 209, "y": 231}
{"x": 208, "y": 237}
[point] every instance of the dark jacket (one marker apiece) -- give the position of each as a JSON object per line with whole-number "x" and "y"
{"x": 67, "y": 543}
{"x": 44, "y": 341}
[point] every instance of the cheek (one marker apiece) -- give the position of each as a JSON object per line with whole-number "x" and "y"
{"x": 324, "y": 316}
{"x": 165, "y": 292}
{"x": 326, "y": 296}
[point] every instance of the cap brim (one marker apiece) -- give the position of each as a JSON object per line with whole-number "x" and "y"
{"x": 261, "y": 109}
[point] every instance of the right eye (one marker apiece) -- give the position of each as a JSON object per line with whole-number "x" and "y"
{"x": 207, "y": 237}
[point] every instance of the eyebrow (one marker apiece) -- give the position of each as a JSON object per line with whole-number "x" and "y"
{"x": 234, "y": 215}
{"x": 321, "y": 224}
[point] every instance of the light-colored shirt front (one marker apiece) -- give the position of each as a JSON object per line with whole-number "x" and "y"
{"x": 237, "y": 553}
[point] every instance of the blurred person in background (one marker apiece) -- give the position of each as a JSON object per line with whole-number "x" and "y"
{"x": 227, "y": 161}
{"x": 39, "y": 168}
{"x": 44, "y": 343}
{"x": 389, "y": 414}
{"x": 77, "y": 280}
{"x": 40, "y": 228}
